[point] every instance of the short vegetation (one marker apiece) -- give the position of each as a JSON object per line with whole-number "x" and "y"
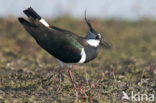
{"x": 28, "y": 74}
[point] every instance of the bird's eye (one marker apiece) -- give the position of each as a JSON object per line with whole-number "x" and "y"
{"x": 97, "y": 37}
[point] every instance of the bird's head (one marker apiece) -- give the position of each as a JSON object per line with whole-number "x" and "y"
{"x": 93, "y": 37}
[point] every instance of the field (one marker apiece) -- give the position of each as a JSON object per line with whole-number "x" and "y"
{"x": 28, "y": 74}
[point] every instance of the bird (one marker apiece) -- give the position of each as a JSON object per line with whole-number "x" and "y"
{"x": 67, "y": 47}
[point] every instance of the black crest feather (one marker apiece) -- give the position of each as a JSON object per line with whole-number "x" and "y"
{"x": 89, "y": 24}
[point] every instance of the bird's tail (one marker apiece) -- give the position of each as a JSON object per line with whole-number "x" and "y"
{"x": 33, "y": 15}
{"x": 27, "y": 25}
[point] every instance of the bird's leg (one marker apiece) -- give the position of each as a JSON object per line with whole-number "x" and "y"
{"x": 60, "y": 75}
{"x": 71, "y": 78}
{"x": 74, "y": 84}
{"x": 60, "y": 79}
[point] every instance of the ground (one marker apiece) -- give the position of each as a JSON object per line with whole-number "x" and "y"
{"x": 28, "y": 74}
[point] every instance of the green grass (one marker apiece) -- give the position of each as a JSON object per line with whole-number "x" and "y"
{"x": 29, "y": 74}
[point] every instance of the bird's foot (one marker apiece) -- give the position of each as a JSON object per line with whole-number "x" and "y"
{"x": 79, "y": 89}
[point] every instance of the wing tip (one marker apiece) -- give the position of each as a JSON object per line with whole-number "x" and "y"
{"x": 21, "y": 20}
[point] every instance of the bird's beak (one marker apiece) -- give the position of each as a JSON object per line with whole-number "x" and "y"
{"x": 105, "y": 43}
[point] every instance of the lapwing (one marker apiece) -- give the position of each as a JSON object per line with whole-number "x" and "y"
{"x": 66, "y": 46}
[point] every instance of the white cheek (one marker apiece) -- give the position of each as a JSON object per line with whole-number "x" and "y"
{"x": 93, "y": 42}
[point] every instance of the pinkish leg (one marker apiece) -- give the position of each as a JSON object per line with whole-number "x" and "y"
{"x": 71, "y": 78}
{"x": 74, "y": 85}
{"x": 60, "y": 79}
